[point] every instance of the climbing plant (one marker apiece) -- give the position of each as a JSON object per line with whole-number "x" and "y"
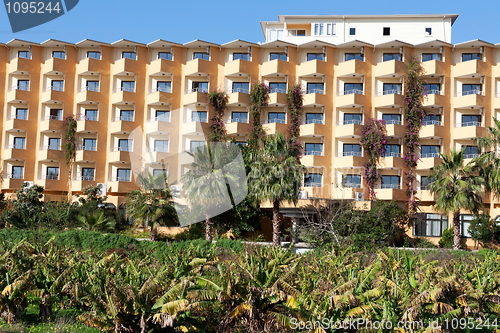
{"x": 414, "y": 116}
{"x": 373, "y": 142}
{"x": 259, "y": 96}
{"x": 69, "y": 147}
{"x": 295, "y": 101}
{"x": 218, "y": 102}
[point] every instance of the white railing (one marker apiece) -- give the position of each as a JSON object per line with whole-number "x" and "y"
{"x": 165, "y": 119}
{"x": 127, "y": 89}
{"x": 312, "y": 184}
{"x": 238, "y": 90}
{"x": 467, "y": 156}
{"x": 114, "y": 149}
{"x": 87, "y": 178}
{"x": 13, "y": 176}
{"x": 52, "y": 118}
{"x": 393, "y": 122}
{"x": 316, "y": 91}
{"x": 120, "y": 179}
{"x": 277, "y": 90}
{"x": 350, "y": 153}
{"x": 18, "y": 146}
{"x": 351, "y": 185}
{"x": 161, "y": 89}
{"x": 122, "y": 118}
{"x": 274, "y": 121}
{"x": 18, "y": 116}
{"x": 88, "y": 148}
{"x": 392, "y": 186}
{"x": 350, "y": 122}
{"x": 50, "y": 177}
{"x": 237, "y": 120}
{"x": 197, "y": 119}
{"x": 51, "y": 147}
{"x": 54, "y": 88}
{"x": 434, "y": 92}
{"x": 87, "y": 88}
{"x": 351, "y": 91}
{"x": 430, "y": 155}
{"x": 193, "y": 150}
{"x": 201, "y": 90}
{"x": 314, "y": 121}
{"x": 82, "y": 117}
{"x": 432, "y": 122}
{"x": 391, "y": 154}
{"x": 423, "y": 188}
{"x": 389, "y": 92}
{"x": 497, "y": 95}
{"x": 470, "y": 92}
{"x": 23, "y": 88}
{"x": 312, "y": 152}
{"x": 470, "y": 123}
{"x": 158, "y": 150}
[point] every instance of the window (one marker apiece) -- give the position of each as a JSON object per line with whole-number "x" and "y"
{"x": 165, "y": 55}
{"x": 313, "y": 180}
{"x": 386, "y": 31}
{"x": 201, "y": 55}
{"x": 353, "y": 56}
{"x": 279, "y": 87}
{"x": 158, "y": 172}
{"x": 17, "y": 172}
{"x": 470, "y": 151}
{"x": 200, "y": 116}
{"x": 353, "y": 88}
{"x": 90, "y": 144}
{"x": 275, "y": 34}
{"x": 315, "y": 88}
{"x": 352, "y": 31}
{"x": 314, "y": 149}
{"x": 471, "y": 56}
{"x": 242, "y": 56}
{"x": 23, "y": 85}
{"x": 128, "y": 86}
{"x": 241, "y": 143}
{"x": 392, "y": 88}
{"x": 350, "y": 149}
{"x": 471, "y": 120}
{"x": 431, "y": 56}
{"x": 465, "y": 224}
{"x": 351, "y": 181}
{"x": 22, "y": 114}
{"x": 92, "y": 85}
{"x": 432, "y": 119}
{"x": 164, "y": 86}
{"x": 279, "y": 56}
{"x": 55, "y": 114}
{"x": 432, "y": 88}
{"x": 193, "y": 145}
{"x": 315, "y": 56}
{"x": 392, "y": 119}
{"x": 52, "y": 173}
{"x": 430, "y": 225}
{"x": 124, "y": 145}
{"x": 91, "y": 115}
{"x": 314, "y": 118}
{"x": 123, "y": 175}
{"x": 59, "y": 54}
{"x": 392, "y": 151}
{"x": 470, "y": 89}
{"x": 127, "y": 115}
{"x": 54, "y": 144}
{"x": 19, "y": 143}
{"x": 296, "y": 32}
{"x": 428, "y": 31}
{"x": 161, "y": 146}
{"x": 324, "y": 29}
{"x": 353, "y": 118}
{"x": 57, "y": 85}
{"x": 129, "y": 55}
{"x": 276, "y": 117}
{"x": 24, "y": 54}
{"x": 390, "y": 182}
{"x": 162, "y": 115}
{"x": 199, "y": 87}
{"x": 239, "y": 117}
{"x": 88, "y": 174}
{"x": 94, "y": 55}
{"x": 392, "y": 56}
{"x": 430, "y": 151}
{"x": 242, "y": 87}
{"x": 425, "y": 181}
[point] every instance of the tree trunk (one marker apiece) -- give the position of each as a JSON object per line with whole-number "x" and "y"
{"x": 208, "y": 229}
{"x": 276, "y": 223}
{"x": 456, "y": 231}
{"x": 153, "y": 234}
{"x": 70, "y": 181}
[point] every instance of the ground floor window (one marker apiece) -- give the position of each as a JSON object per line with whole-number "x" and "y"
{"x": 430, "y": 225}
{"x": 464, "y": 224}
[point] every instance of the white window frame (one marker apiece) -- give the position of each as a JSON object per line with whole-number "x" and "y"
{"x": 425, "y": 32}
{"x": 355, "y": 31}
{"x": 277, "y": 37}
{"x": 325, "y": 26}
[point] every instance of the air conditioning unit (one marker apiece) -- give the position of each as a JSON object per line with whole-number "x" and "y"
{"x": 358, "y": 196}
{"x": 175, "y": 189}
{"x": 28, "y": 185}
{"x": 102, "y": 191}
{"x": 302, "y": 194}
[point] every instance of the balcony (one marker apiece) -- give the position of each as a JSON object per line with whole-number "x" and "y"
{"x": 12, "y": 183}
{"x": 55, "y": 65}
{"x": 53, "y": 95}
{"x": 122, "y": 125}
{"x": 123, "y": 96}
{"x": 18, "y": 65}
{"x": 434, "y": 67}
{"x": 196, "y": 96}
{"x": 313, "y": 159}
{"x": 87, "y": 125}
{"x": 159, "y": 96}
{"x": 158, "y": 125}
{"x": 18, "y": 94}
{"x": 496, "y": 103}
{"x": 276, "y": 68}
{"x": 125, "y": 66}
{"x": 117, "y": 185}
{"x": 14, "y": 152}
{"x": 429, "y": 161}
{"x": 51, "y": 123}
{"x": 158, "y": 156}
{"x": 273, "y": 128}
{"x": 313, "y": 68}
{"x": 347, "y": 193}
{"x": 469, "y": 99}
{"x": 277, "y": 98}
{"x": 119, "y": 155}
{"x": 348, "y": 160}
{"x": 434, "y": 99}
{"x": 351, "y": 98}
{"x": 469, "y": 131}
{"x": 13, "y": 125}
{"x": 161, "y": 66}
{"x": 91, "y": 65}
{"x": 314, "y": 98}
{"x": 79, "y": 185}
{"x": 238, "y": 67}
{"x": 425, "y": 195}
{"x": 195, "y": 127}
{"x": 316, "y": 192}
{"x": 432, "y": 129}
{"x": 390, "y": 194}
{"x": 86, "y": 154}
{"x": 470, "y": 68}
{"x": 86, "y": 95}
{"x": 198, "y": 66}
{"x": 237, "y": 128}
{"x": 313, "y": 129}
{"x": 52, "y": 183}
{"x": 352, "y": 67}
{"x": 238, "y": 97}
{"x": 393, "y": 68}
{"x": 395, "y": 129}
{"x": 391, "y": 162}
{"x": 389, "y": 99}
{"x": 51, "y": 153}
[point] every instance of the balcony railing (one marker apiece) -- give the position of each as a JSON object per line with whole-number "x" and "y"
{"x": 470, "y": 123}
{"x": 393, "y": 186}
{"x": 87, "y": 178}
{"x": 161, "y": 89}
{"x": 432, "y": 122}
{"x": 237, "y": 120}
{"x": 158, "y": 150}
{"x": 127, "y": 89}
{"x": 350, "y": 153}
{"x": 275, "y": 121}
{"x": 238, "y": 90}
{"x": 18, "y": 146}
{"x": 351, "y": 185}
{"x": 316, "y": 91}
{"x": 313, "y": 152}
{"x": 391, "y": 154}
{"x": 349, "y": 122}
{"x": 497, "y": 95}
{"x": 23, "y": 88}
{"x": 197, "y": 119}
{"x": 122, "y": 118}
{"x": 120, "y": 179}
{"x": 55, "y": 88}
{"x": 393, "y": 122}
{"x": 18, "y": 117}
{"x": 83, "y": 117}
{"x": 14, "y": 176}
{"x": 467, "y": 156}
{"x": 51, "y": 117}
{"x": 470, "y": 92}
{"x": 434, "y": 92}
{"x": 129, "y": 149}
{"x": 202, "y": 90}
{"x": 428, "y": 155}
{"x": 312, "y": 184}
{"x": 278, "y": 90}
{"x": 351, "y": 91}
{"x": 315, "y": 121}
{"x": 165, "y": 119}
{"x": 88, "y": 88}
{"x": 50, "y": 177}
{"x": 51, "y": 147}
{"x": 389, "y": 92}
{"x": 88, "y": 148}
{"x": 423, "y": 188}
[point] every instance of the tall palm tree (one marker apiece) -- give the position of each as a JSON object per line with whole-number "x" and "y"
{"x": 275, "y": 176}
{"x": 152, "y": 204}
{"x": 457, "y": 187}
{"x": 489, "y": 161}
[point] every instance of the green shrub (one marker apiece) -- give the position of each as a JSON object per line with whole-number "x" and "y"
{"x": 446, "y": 240}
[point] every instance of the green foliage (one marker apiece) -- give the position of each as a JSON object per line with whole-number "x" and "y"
{"x": 96, "y": 222}
{"x": 295, "y": 100}
{"x": 218, "y": 101}
{"x": 69, "y": 145}
{"x": 484, "y": 229}
{"x": 446, "y": 240}
{"x": 373, "y": 142}
{"x": 259, "y": 96}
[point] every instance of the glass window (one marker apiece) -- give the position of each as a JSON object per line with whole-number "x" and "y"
{"x": 428, "y": 31}
{"x": 313, "y": 180}
{"x": 315, "y": 88}
{"x": 390, "y": 182}
{"x": 279, "y": 56}
{"x": 162, "y": 115}
{"x": 392, "y": 119}
{"x": 91, "y": 115}
{"x": 350, "y": 149}
{"x": 314, "y": 149}
{"x": 430, "y": 151}
{"x": 127, "y": 115}
{"x": 315, "y": 56}
{"x": 470, "y": 151}
{"x": 353, "y": 56}
{"x": 386, "y": 31}
{"x": 24, "y": 54}
{"x": 239, "y": 117}
{"x": 353, "y": 88}
{"x": 471, "y": 120}
{"x": 54, "y": 144}
{"x": 59, "y": 54}
{"x": 128, "y": 86}
{"x": 392, "y": 151}
{"x": 276, "y": 117}
{"x": 431, "y": 56}
{"x": 351, "y": 181}
{"x": 88, "y": 174}
{"x": 469, "y": 89}
{"x": 471, "y": 56}
{"x": 430, "y": 225}
{"x": 392, "y": 88}
{"x": 318, "y": 29}
{"x": 392, "y": 56}
{"x": 161, "y": 146}
{"x": 242, "y": 87}
{"x": 279, "y": 87}
{"x": 22, "y": 114}
{"x": 314, "y": 118}
{"x": 432, "y": 88}
{"x": 432, "y": 119}
{"x": 129, "y": 55}
{"x": 200, "y": 87}
{"x": 157, "y": 172}
{"x": 123, "y": 175}
{"x": 55, "y": 114}
{"x": 193, "y": 145}
{"x": 23, "y": 85}
{"x": 124, "y": 145}
{"x": 352, "y": 31}
{"x": 164, "y": 86}
{"x": 201, "y": 55}
{"x": 425, "y": 181}
{"x": 275, "y": 34}
{"x": 201, "y": 116}
{"x": 20, "y": 143}
{"x": 92, "y": 85}
{"x": 353, "y": 118}
{"x": 465, "y": 224}
{"x": 330, "y": 29}
{"x": 17, "y": 172}
{"x": 52, "y": 173}
{"x": 242, "y": 56}
{"x": 90, "y": 144}
{"x": 165, "y": 55}
{"x": 57, "y": 85}
{"x": 94, "y": 55}
{"x": 296, "y": 32}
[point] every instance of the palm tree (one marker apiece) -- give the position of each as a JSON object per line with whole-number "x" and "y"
{"x": 152, "y": 204}
{"x": 95, "y": 222}
{"x": 489, "y": 160}
{"x": 275, "y": 176}
{"x": 457, "y": 186}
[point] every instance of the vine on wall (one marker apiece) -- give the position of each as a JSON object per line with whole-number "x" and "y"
{"x": 373, "y": 142}
{"x": 295, "y": 101}
{"x": 218, "y": 102}
{"x": 259, "y": 95}
{"x": 414, "y": 116}
{"x": 69, "y": 147}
